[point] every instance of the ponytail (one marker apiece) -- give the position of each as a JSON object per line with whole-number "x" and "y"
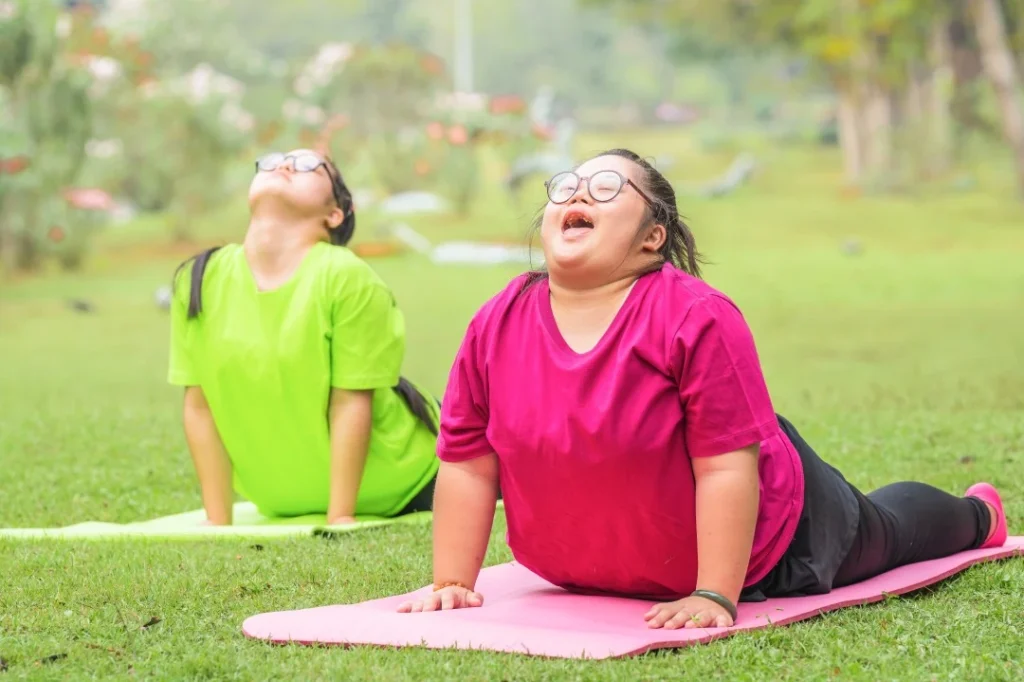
{"x": 417, "y": 404}
{"x": 199, "y": 263}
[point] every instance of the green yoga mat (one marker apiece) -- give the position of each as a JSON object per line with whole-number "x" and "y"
{"x": 247, "y": 523}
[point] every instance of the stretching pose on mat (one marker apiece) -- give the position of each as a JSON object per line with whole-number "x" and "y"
{"x": 289, "y": 348}
{"x": 620, "y": 402}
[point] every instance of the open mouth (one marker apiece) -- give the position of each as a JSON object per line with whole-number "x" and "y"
{"x": 576, "y": 220}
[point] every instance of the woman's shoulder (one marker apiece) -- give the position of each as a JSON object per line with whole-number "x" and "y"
{"x": 210, "y": 256}
{"x": 497, "y": 308}
{"x": 689, "y": 297}
{"x": 343, "y": 267}
{"x": 209, "y": 263}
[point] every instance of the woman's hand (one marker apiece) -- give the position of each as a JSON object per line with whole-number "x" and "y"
{"x": 691, "y": 612}
{"x": 446, "y": 599}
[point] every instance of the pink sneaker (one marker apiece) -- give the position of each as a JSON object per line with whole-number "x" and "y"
{"x": 986, "y": 493}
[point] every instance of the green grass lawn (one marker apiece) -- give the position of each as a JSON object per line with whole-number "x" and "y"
{"x": 904, "y": 361}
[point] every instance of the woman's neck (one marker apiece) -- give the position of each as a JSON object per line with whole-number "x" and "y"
{"x": 589, "y": 298}
{"x": 583, "y": 315}
{"x": 274, "y": 248}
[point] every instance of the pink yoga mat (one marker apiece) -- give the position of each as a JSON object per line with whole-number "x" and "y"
{"x": 524, "y": 614}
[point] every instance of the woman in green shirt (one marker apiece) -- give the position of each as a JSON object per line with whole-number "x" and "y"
{"x": 289, "y": 348}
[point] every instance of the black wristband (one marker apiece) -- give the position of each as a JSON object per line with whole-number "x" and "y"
{"x": 718, "y": 599}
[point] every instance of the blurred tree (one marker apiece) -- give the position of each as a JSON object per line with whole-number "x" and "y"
{"x": 48, "y": 118}
{"x": 382, "y": 93}
{"x": 888, "y": 61}
{"x": 1001, "y": 69}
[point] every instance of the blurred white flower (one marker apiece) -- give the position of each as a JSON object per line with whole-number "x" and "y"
{"x": 63, "y": 24}
{"x": 314, "y": 115}
{"x": 319, "y": 70}
{"x": 203, "y": 81}
{"x": 333, "y": 53}
{"x": 235, "y": 116}
{"x": 7, "y": 9}
{"x": 103, "y": 149}
{"x": 104, "y": 69}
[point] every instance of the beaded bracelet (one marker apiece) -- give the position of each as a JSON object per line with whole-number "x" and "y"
{"x": 454, "y": 583}
{"x": 724, "y": 602}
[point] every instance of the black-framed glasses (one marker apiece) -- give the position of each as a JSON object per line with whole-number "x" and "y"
{"x": 304, "y": 162}
{"x": 603, "y": 186}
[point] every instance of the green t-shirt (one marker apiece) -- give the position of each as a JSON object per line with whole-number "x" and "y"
{"x": 266, "y": 362}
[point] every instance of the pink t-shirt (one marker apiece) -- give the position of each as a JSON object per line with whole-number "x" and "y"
{"x": 594, "y": 448}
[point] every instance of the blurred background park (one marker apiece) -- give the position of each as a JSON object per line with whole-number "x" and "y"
{"x": 135, "y": 121}
{"x": 852, "y": 169}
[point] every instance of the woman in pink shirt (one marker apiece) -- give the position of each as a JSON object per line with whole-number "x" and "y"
{"x": 619, "y": 401}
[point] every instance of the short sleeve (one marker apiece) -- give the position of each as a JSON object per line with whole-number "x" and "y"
{"x": 367, "y": 335}
{"x": 464, "y": 410}
{"x": 725, "y": 400}
{"x": 181, "y": 370}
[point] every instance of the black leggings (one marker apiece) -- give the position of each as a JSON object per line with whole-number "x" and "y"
{"x": 844, "y": 536}
{"x": 424, "y": 500}
{"x": 904, "y": 523}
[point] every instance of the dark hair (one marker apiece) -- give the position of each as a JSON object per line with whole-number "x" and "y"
{"x": 342, "y": 234}
{"x": 417, "y": 403}
{"x": 338, "y": 236}
{"x": 680, "y": 247}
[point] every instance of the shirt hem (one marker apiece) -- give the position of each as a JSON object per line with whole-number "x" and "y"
{"x": 365, "y": 383}
{"x": 449, "y": 455}
{"x": 732, "y": 442}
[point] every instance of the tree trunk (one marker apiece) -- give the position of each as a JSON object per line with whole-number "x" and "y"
{"x": 849, "y": 119}
{"x": 938, "y": 152}
{"x": 878, "y": 114}
{"x": 916, "y": 122}
{"x": 1001, "y": 69}
{"x": 967, "y": 72}
{"x": 878, "y": 124}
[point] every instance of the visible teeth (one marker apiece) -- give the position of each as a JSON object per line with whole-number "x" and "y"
{"x": 578, "y": 221}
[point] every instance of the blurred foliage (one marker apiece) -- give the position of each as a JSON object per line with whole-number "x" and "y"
{"x": 46, "y": 122}
{"x": 164, "y": 105}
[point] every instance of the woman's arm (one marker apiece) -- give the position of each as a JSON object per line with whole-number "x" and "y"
{"x": 351, "y": 420}
{"x": 464, "y": 500}
{"x": 213, "y": 466}
{"x": 727, "y": 414}
{"x": 728, "y": 492}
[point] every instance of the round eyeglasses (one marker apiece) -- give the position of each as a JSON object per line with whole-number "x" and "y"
{"x": 301, "y": 163}
{"x": 603, "y": 186}
{"x": 304, "y": 162}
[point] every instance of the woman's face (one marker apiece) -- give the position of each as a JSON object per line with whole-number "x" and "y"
{"x": 590, "y": 239}
{"x": 286, "y": 180}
